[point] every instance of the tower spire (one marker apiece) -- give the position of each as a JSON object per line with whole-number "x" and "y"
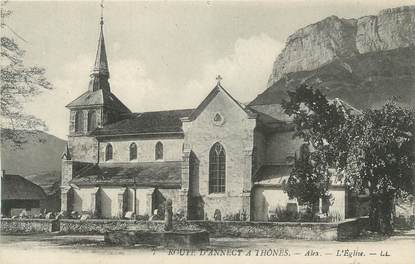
{"x": 102, "y": 12}
{"x": 101, "y": 63}
{"x": 100, "y": 72}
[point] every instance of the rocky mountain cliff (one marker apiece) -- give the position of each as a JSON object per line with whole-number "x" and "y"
{"x": 365, "y": 80}
{"x": 335, "y": 39}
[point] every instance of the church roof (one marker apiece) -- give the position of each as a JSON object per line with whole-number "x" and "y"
{"x": 271, "y": 112}
{"x": 212, "y": 95}
{"x": 272, "y": 174}
{"x": 273, "y": 115}
{"x": 146, "y": 123}
{"x": 98, "y": 97}
{"x": 15, "y": 187}
{"x": 165, "y": 174}
{"x": 278, "y": 174}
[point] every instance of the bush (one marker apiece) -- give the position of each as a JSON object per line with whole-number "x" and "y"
{"x": 308, "y": 216}
{"x": 239, "y": 216}
{"x": 284, "y": 215}
{"x": 179, "y": 216}
{"x": 142, "y": 217}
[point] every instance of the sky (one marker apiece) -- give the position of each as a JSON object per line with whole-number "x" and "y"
{"x": 163, "y": 55}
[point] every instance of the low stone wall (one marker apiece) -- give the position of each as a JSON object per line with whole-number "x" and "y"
{"x": 404, "y": 222}
{"x": 344, "y": 230}
{"x": 308, "y": 231}
{"x": 9, "y": 225}
{"x": 100, "y": 226}
{"x": 351, "y": 228}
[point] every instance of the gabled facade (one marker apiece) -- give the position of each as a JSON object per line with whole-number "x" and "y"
{"x": 220, "y": 126}
{"x": 221, "y": 160}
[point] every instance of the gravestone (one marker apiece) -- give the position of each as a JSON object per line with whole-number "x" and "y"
{"x": 49, "y": 215}
{"x": 217, "y": 215}
{"x": 129, "y": 215}
{"x": 168, "y": 237}
{"x": 74, "y": 215}
{"x": 84, "y": 217}
{"x": 60, "y": 215}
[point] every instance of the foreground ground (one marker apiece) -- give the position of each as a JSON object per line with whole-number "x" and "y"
{"x": 55, "y": 248}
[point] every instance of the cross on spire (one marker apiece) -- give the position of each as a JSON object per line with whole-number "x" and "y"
{"x": 219, "y": 79}
{"x": 102, "y": 12}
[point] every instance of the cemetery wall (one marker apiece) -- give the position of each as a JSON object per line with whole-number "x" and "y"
{"x": 352, "y": 228}
{"x": 310, "y": 231}
{"x": 9, "y": 225}
{"x": 100, "y": 226}
{"x": 344, "y": 230}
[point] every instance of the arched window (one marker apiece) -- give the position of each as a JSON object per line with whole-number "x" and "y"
{"x": 217, "y": 169}
{"x": 92, "y": 120}
{"x": 79, "y": 121}
{"x": 159, "y": 151}
{"x": 133, "y": 151}
{"x": 108, "y": 152}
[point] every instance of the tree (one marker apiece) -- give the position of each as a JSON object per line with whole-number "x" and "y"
{"x": 316, "y": 121}
{"x": 305, "y": 182}
{"x": 374, "y": 149}
{"x": 381, "y": 159}
{"x": 19, "y": 83}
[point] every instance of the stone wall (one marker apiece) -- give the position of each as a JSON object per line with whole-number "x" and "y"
{"x": 9, "y": 225}
{"x": 344, "y": 230}
{"x": 267, "y": 199}
{"x": 83, "y": 148}
{"x": 99, "y": 119}
{"x": 100, "y": 226}
{"x": 235, "y": 133}
{"x": 84, "y": 200}
{"x": 260, "y": 145}
{"x": 352, "y": 228}
{"x": 309, "y": 231}
{"x": 165, "y": 194}
{"x": 172, "y": 149}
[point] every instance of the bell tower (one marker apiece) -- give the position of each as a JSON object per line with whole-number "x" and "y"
{"x": 95, "y": 108}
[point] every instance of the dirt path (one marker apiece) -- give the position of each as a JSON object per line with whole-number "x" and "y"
{"x": 55, "y": 248}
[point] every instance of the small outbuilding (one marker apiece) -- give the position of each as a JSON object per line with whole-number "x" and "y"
{"x": 18, "y": 194}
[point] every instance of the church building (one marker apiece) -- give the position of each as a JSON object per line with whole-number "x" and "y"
{"x": 222, "y": 158}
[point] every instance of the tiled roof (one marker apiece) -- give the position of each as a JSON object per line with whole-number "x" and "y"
{"x": 212, "y": 95}
{"x": 273, "y": 115}
{"x": 272, "y": 174}
{"x": 276, "y": 175}
{"x": 146, "y": 123}
{"x": 271, "y": 111}
{"x": 15, "y": 187}
{"x": 99, "y": 97}
{"x": 146, "y": 174}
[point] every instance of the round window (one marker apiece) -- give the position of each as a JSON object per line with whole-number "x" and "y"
{"x": 218, "y": 119}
